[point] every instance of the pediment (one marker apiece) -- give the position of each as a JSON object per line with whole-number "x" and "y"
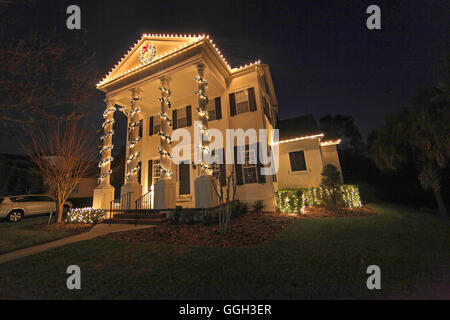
{"x": 150, "y": 48}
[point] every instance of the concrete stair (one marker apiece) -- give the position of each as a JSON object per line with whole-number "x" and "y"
{"x": 140, "y": 218}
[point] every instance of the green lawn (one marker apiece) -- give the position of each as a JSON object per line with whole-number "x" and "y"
{"x": 15, "y": 236}
{"x": 313, "y": 258}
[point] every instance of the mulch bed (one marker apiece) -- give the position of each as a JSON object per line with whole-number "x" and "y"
{"x": 248, "y": 230}
{"x": 72, "y": 229}
{"x": 322, "y": 212}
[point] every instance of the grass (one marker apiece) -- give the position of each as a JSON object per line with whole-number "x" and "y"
{"x": 313, "y": 258}
{"x": 14, "y": 236}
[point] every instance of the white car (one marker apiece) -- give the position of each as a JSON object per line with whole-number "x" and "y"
{"x": 14, "y": 208}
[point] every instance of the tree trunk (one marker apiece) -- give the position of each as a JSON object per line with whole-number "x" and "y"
{"x": 440, "y": 202}
{"x": 59, "y": 211}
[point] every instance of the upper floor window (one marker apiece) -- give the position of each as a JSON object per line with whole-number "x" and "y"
{"x": 155, "y": 125}
{"x": 242, "y": 101}
{"x": 181, "y": 118}
{"x": 297, "y": 159}
{"x": 214, "y": 109}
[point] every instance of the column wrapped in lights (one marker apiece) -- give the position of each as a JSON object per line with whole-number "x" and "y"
{"x": 105, "y": 162}
{"x": 164, "y": 132}
{"x": 133, "y": 143}
{"x": 202, "y": 111}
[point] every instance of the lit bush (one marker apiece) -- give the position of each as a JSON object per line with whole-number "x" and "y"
{"x": 85, "y": 215}
{"x": 295, "y": 200}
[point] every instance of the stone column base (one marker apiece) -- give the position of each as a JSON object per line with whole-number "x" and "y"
{"x": 135, "y": 190}
{"x": 205, "y": 196}
{"x": 164, "y": 197}
{"x": 103, "y": 197}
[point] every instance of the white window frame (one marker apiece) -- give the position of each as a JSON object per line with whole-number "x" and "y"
{"x": 156, "y": 170}
{"x": 179, "y": 111}
{"x": 211, "y": 108}
{"x": 156, "y": 124}
{"x": 247, "y": 166}
{"x": 242, "y": 100}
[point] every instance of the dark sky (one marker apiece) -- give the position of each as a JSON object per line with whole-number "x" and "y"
{"x": 322, "y": 57}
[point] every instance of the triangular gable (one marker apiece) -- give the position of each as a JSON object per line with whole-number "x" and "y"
{"x": 148, "y": 49}
{"x": 152, "y": 47}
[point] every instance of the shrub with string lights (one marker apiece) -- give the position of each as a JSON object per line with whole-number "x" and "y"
{"x": 295, "y": 200}
{"x": 85, "y": 215}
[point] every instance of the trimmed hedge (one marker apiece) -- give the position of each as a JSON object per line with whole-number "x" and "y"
{"x": 295, "y": 200}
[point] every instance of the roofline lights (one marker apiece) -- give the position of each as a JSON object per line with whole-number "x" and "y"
{"x": 197, "y": 39}
{"x": 330, "y": 142}
{"x": 301, "y": 138}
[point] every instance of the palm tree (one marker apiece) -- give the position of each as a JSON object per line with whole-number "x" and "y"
{"x": 419, "y": 133}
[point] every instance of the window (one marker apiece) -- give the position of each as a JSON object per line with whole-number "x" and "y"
{"x": 211, "y": 107}
{"x": 242, "y": 104}
{"x": 182, "y": 118}
{"x": 297, "y": 160}
{"x": 156, "y": 124}
{"x": 156, "y": 170}
{"x": 249, "y": 167}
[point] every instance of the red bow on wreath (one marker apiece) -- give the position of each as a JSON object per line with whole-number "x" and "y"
{"x": 145, "y": 49}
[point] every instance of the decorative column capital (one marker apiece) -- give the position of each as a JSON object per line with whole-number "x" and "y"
{"x": 109, "y": 102}
{"x": 201, "y": 67}
{"x": 136, "y": 93}
{"x": 165, "y": 80}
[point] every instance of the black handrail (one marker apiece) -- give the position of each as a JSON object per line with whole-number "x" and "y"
{"x": 124, "y": 204}
{"x": 144, "y": 202}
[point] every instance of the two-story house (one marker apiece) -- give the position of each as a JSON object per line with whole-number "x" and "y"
{"x": 168, "y": 82}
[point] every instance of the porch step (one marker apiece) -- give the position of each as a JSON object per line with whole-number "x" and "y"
{"x": 140, "y": 216}
{"x": 147, "y": 221}
{"x": 148, "y": 218}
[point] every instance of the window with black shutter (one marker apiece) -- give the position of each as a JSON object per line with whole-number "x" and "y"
{"x": 182, "y": 117}
{"x": 297, "y": 159}
{"x": 242, "y": 101}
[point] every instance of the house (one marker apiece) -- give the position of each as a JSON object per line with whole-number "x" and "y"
{"x": 166, "y": 83}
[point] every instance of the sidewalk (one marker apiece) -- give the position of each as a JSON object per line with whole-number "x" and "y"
{"x": 97, "y": 231}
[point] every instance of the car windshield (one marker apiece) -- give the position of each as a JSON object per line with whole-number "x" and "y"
{"x": 20, "y": 199}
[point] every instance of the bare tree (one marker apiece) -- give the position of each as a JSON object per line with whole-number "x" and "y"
{"x": 225, "y": 205}
{"x": 62, "y": 150}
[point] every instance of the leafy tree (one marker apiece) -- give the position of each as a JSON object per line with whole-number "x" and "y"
{"x": 419, "y": 133}
{"x": 331, "y": 180}
{"x": 342, "y": 127}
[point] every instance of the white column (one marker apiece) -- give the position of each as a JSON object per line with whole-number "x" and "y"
{"x": 164, "y": 197}
{"x": 205, "y": 196}
{"x": 133, "y": 144}
{"x": 202, "y": 111}
{"x": 104, "y": 193}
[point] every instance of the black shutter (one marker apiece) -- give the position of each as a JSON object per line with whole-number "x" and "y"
{"x": 238, "y": 168}
{"x": 259, "y": 165}
{"x": 189, "y": 116}
{"x": 252, "y": 99}
{"x": 141, "y": 126}
{"x": 218, "y": 108}
{"x": 174, "y": 120}
{"x": 150, "y": 174}
{"x": 139, "y": 172}
{"x": 150, "y": 127}
{"x": 232, "y": 104}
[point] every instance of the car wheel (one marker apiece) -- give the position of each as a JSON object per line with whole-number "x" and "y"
{"x": 15, "y": 216}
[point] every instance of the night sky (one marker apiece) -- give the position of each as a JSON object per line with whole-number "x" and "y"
{"x": 323, "y": 59}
